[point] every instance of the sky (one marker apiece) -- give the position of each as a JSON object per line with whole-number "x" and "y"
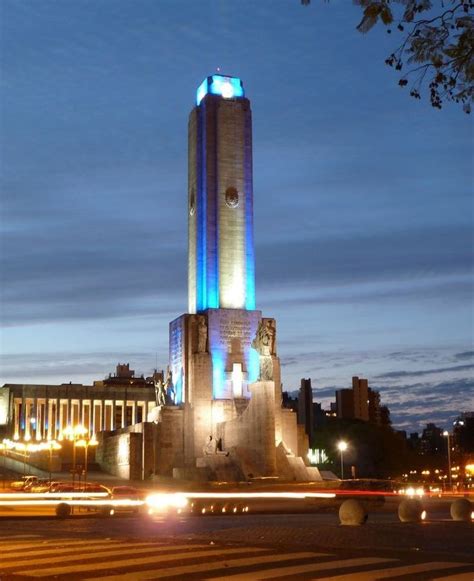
{"x": 363, "y": 196}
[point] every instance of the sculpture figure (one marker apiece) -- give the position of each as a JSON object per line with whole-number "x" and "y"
{"x": 202, "y": 334}
{"x": 160, "y": 392}
{"x": 264, "y": 343}
{"x": 209, "y": 448}
{"x": 168, "y": 387}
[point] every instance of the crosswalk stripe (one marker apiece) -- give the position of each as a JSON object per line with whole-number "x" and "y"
{"x": 113, "y": 551}
{"x": 307, "y": 568}
{"x": 395, "y": 571}
{"x": 58, "y": 550}
{"x": 457, "y": 577}
{"x": 85, "y": 567}
{"x": 59, "y": 543}
{"x": 188, "y": 569}
{"x": 34, "y": 545}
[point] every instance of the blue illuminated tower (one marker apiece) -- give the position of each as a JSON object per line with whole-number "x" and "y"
{"x": 221, "y": 270}
{"x": 215, "y": 368}
{"x": 223, "y": 357}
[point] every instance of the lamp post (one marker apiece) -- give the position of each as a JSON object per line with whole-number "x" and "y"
{"x": 447, "y": 435}
{"x": 74, "y": 433}
{"x": 52, "y": 445}
{"x": 342, "y": 447}
{"x": 85, "y": 443}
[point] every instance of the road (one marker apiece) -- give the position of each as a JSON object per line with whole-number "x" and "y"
{"x": 243, "y": 547}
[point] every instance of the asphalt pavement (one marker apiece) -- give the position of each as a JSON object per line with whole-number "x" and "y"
{"x": 243, "y": 546}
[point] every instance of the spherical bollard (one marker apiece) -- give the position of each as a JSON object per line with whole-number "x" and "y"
{"x": 411, "y": 510}
{"x": 461, "y": 509}
{"x": 353, "y": 513}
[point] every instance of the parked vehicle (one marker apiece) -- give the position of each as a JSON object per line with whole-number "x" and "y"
{"x": 24, "y": 482}
{"x": 42, "y": 485}
{"x": 90, "y": 487}
{"x": 121, "y": 492}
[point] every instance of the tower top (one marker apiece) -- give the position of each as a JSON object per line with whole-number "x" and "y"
{"x": 227, "y": 87}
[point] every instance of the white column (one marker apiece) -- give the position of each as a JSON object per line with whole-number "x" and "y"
{"x": 27, "y": 418}
{"x": 16, "y": 418}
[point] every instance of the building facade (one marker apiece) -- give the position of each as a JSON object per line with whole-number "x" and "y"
{"x": 43, "y": 412}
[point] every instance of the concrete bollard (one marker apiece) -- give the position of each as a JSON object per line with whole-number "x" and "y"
{"x": 461, "y": 510}
{"x": 411, "y": 510}
{"x": 353, "y": 513}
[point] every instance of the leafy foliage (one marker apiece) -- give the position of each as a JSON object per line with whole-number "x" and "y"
{"x": 437, "y": 50}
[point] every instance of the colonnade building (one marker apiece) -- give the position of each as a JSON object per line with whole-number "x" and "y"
{"x": 42, "y": 412}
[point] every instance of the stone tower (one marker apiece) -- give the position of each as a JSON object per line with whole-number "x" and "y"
{"x": 223, "y": 355}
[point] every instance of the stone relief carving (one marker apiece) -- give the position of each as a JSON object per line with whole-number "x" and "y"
{"x": 202, "y": 335}
{"x": 264, "y": 344}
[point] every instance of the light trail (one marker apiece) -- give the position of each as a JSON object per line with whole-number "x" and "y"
{"x": 256, "y": 495}
{"x": 73, "y": 502}
{"x": 52, "y": 495}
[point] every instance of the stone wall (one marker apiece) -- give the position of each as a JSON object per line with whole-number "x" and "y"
{"x": 289, "y": 432}
{"x": 169, "y": 440}
{"x": 137, "y": 452}
{"x": 252, "y": 435}
{"x": 121, "y": 455}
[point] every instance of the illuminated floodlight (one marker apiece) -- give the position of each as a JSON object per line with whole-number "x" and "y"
{"x": 227, "y": 90}
{"x": 342, "y": 446}
{"x": 226, "y": 87}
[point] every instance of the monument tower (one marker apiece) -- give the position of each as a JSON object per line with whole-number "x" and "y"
{"x": 223, "y": 357}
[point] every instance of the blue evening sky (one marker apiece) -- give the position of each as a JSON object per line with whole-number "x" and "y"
{"x": 363, "y": 196}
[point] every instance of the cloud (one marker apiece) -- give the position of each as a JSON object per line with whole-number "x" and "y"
{"x": 464, "y": 355}
{"x": 62, "y": 367}
{"x": 93, "y": 272}
{"x": 390, "y": 255}
{"x": 419, "y": 373}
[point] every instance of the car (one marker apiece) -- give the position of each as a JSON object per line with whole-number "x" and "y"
{"x": 62, "y": 487}
{"x": 128, "y": 492}
{"x": 24, "y": 482}
{"x": 42, "y": 485}
{"x": 90, "y": 488}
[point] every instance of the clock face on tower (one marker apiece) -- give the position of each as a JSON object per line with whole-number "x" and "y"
{"x": 192, "y": 203}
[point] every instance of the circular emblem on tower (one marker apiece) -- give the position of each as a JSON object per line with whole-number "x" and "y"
{"x": 232, "y": 197}
{"x": 192, "y": 203}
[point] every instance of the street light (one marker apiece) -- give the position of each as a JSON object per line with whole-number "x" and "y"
{"x": 85, "y": 443}
{"x": 51, "y": 445}
{"x": 446, "y": 435}
{"x": 342, "y": 447}
{"x": 74, "y": 433}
